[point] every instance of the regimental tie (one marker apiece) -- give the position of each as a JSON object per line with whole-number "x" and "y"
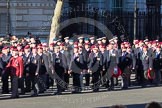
{"x": 143, "y": 56}
{"x": 157, "y": 54}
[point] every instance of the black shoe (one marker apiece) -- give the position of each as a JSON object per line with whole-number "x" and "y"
{"x": 41, "y": 92}
{"x": 143, "y": 86}
{"x": 4, "y": 92}
{"x": 57, "y": 93}
{"x": 74, "y": 92}
{"x": 22, "y": 93}
{"x": 95, "y": 90}
{"x": 34, "y": 95}
{"x": 27, "y": 91}
{"x": 124, "y": 88}
{"x": 110, "y": 88}
{"x": 14, "y": 97}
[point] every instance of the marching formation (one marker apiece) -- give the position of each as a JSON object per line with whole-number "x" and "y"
{"x": 34, "y": 66}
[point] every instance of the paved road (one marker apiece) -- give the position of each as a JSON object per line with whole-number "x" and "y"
{"x": 133, "y": 98}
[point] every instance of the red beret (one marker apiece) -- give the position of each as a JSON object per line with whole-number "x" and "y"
{"x": 154, "y": 42}
{"x": 122, "y": 44}
{"x": 160, "y": 42}
{"x": 145, "y": 46}
{"x": 52, "y": 44}
{"x": 11, "y": 47}
{"x": 103, "y": 46}
{"x": 27, "y": 47}
{"x": 40, "y": 45}
{"x": 19, "y": 45}
{"x": 40, "y": 48}
{"x": 15, "y": 49}
{"x": 75, "y": 43}
{"x": 94, "y": 47}
{"x": 158, "y": 46}
{"x": 4, "y": 48}
{"x": 34, "y": 48}
{"x": 80, "y": 47}
{"x": 100, "y": 45}
{"x": 124, "y": 47}
{"x": 62, "y": 44}
{"x": 21, "y": 50}
{"x": 87, "y": 43}
{"x": 129, "y": 47}
{"x": 137, "y": 42}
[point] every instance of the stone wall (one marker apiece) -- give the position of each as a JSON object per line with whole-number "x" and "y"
{"x": 32, "y": 16}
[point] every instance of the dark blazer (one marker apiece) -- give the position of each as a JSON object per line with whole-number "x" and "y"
{"x": 113, "y": 60}
{"x": 157, "y": 60}
{"x": 5, "y": 60}
{"x": 43, "y": 64}
{"x": 26, "y": 62}
{"x": 125, "y": 61}
{"x": 50, "y": 58}
{"x": 34, "y": 64}
{"x": 106, "y": 59}
{"x": 67, "y": 56}
{"x": 77, "y": 63}
{"x": 62, "y": 63}
{"x": 86, "y": 54}
{"x": 146, "y": 61}
{"x": 96, "y": 62}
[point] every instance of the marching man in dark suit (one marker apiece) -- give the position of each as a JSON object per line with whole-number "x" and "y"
{"x": 34, "y": 71}
{"x": 43, "y": 69}
{"x": 26, "y": 57}
{"x": 146, "y": 63}
{"x": 112, "y": 61}
{"x": 157, "y": 64}
{"x": 59, "y": 66}
{"x": 125, "y": 64}
{"x": 76, "y": 68}
{"x": 95, "y": 66}
{"x": 105, "y": 53}
{"x": 16, "y": 67}
{"x": 86, "y": 53}
{"x": 6, "y": 56}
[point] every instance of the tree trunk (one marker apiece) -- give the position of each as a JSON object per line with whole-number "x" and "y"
{"x": 56, "y": 21}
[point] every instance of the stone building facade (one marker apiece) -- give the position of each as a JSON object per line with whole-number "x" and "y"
{"x": 27, "y": 16}
{"x": 35, "y": 16}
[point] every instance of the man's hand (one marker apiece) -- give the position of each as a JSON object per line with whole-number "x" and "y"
{"x": 36, "y": 74}
{"x": 89, "y": 71}
{"x": 27, "y": 74}
{"x": 65, "y": 70}
{"x": 103, "y": 69}
{"x": 69, "y": 72}
{"x": 3, "y": 72}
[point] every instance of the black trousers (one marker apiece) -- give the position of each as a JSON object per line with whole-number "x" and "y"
{"x": 5, "y": 86}
{"x": 76, "y": 81}
{"x": 59, "y": 79}
{"x": 103, "y": 77}
{"x": 21, "y": 84}
{"x": 14, "y": 85}
{"x": 66, "y": 78}
{"x": 95, "y": 80}
{"x": 87, "y": 79}
{"x": 28, "y": 83}
{"x": 49, "y": 82}
{"x": 39, "y": 84}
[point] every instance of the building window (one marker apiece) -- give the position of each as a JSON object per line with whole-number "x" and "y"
{"x": 117, "y": 6}
{"x": 3, "y": 23}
